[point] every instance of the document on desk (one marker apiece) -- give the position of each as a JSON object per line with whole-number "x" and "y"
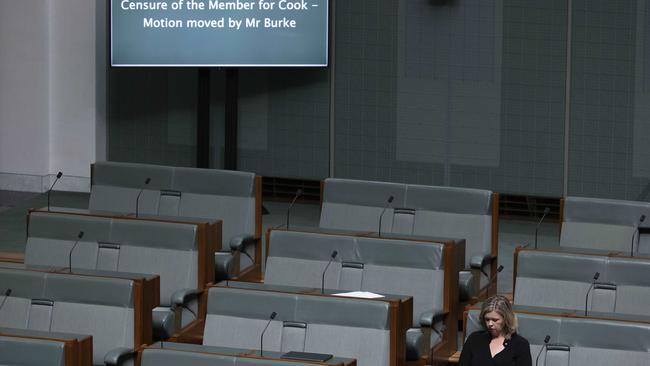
{"x": 360, "y": 294}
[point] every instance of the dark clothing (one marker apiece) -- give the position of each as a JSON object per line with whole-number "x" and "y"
{"x": 476, "y": 351}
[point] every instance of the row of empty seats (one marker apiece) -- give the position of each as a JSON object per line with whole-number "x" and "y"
{"x": 364, "y": 329}
{"x": 26, "y": 347}
{"x": 409, "y": 243}
{"x": 115, "y": 311}
{"x": 187, "y": 193}
{"x": 605, "y": 224}
{"x": 180, "y": 253}
{"x": 426, "y": 270}
{"x": 564, "y": 279}
{"x": 427, "y": 211}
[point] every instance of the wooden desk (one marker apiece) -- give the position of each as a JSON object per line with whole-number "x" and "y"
{"x": 238, "y": 352}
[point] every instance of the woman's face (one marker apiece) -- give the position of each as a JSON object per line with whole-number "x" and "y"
{"x": 494, "y": 323}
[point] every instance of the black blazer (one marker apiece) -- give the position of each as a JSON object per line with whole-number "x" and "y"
{"x": 476, "y": 351}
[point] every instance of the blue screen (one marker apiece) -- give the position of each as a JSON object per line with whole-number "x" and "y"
{"x": 219, "y": 33}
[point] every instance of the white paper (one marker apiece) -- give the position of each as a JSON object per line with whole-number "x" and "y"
{"x": 361, "y": 294}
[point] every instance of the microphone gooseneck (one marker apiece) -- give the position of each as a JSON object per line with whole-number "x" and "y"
{"x": 383, "y": 211}
{"x": 322, "y": 282}
{"x": 137, "y": 199}
{"x": 546, "y": 340}
{"x": 494, "y": 275}
{"x": 79, "y": 236}
{"x": 58, "y": 176}
{"x": 593, "y": 283}
{"x": 293, "y": 201}
{"x": 634, "y": 233}
{"x": 546, "y": 211}
{"x": 7, "y": 293}
{"x": 271, "y": 317}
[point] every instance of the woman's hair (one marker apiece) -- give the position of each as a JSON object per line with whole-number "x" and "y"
{"x": 501, "y": 306}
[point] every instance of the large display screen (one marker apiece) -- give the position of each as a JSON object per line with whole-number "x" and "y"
{"x": 202, "y": 33}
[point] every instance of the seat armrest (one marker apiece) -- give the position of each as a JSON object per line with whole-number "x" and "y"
{"x": 164, "y": 322}
{"x": 468, "y": 285}
{"x": 429, "y": 318}
{"x": 118, "y": 356}
{"x": 478, "y": 262}
{"x": 417, "y": 344}
{"x": 183, "y": 296}
{"x": 226, "y": 265}
{"x": 239, "y": 242}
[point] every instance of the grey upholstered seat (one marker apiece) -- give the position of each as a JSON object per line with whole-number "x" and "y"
{"x": 578, "y": 341}
{"x": 346, "y": 327}
{"x": 31, "y": 352}
{"x": 561, "y": 279}
{"x": 182, "y": 192}
{"x": 382, "y": 265}
{"x": 596, "y": 223}
{"x": 68, "y": 303}
{"x": 25, "y": 347}
{"x": 417, "y": 210}
{"x": 167, "y": 249}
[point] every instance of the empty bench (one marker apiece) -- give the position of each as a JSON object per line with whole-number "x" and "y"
{"x": 178, "y": 252}
{"x": 425, "y": 270}
{"x": 364, "y": 329}
{"x": 231, "y": 196}
{"x": 606, "y": 224}
{"x": 562, "y": 279}
{"x": 22, "y": 347}
{"x": 114, "y": 311}
{"x": 463, "y": 213}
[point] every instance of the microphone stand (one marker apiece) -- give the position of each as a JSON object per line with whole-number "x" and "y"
{"x": 546, "y": 340}
{"x": 293, "y": 201}
{"x": 593, "y": 283}
{"x": 137, "y": 199}
{"x": 322, "y": 283}
{"x": 58, "y": 176}
{"x": 273, "y": 314}
{"x": 79, "y": 236}
{"x": 390, "y": 200}
{"x": 546, "y": 211}
{"x": 636, "y": 230}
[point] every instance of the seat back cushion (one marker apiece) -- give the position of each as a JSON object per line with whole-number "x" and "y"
{"x": 31, "y": 352}
{"x": 596, "y": 236}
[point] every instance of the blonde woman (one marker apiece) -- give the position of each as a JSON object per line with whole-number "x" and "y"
{"x": 498, "y": 344}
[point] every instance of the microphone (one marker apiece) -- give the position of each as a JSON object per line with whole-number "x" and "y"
{"x": 7, "y": 293}
{"x": 593, "y": 283}
{"x": 137, "y": 200}
{"x": 58, "y": 176}
{"x": 494, "y": 275}
{"x": 546, "y": 211}
{"x": 546, "y": 339}
{"x": 79, "y": 236}
{"x": 273, "y": 314}
{"x": 293, "y": 201}
{"x": 636, "y": 230}
{"x": 322, "y": 283}
{"x": 390, "y": 200}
